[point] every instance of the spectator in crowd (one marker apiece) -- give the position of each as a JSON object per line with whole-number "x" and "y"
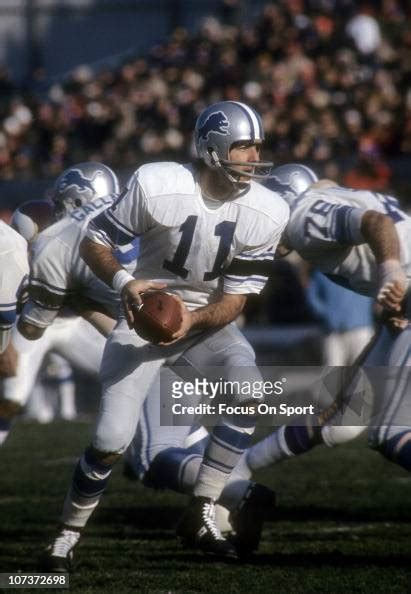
{"x": 302, "y": 64}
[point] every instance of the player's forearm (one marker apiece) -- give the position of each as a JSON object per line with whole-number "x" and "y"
{"x": 100, "y": 259}
{"x": 379, "y": 232}
{"x": 220, "y": 313}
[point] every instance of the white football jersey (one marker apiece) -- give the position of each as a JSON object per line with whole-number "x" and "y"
{"x": 14, "y": 269}
{"x": 197, "y": 246}
{"x": 58, "y": 273}
{"x": 324, "y": 228}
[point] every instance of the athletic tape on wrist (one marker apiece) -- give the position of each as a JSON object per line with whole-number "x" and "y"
{"x": 120, "y": 279}
{"x": 389, "y": 271}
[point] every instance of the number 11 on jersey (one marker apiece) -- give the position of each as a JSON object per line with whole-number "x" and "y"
{"x": 224, "y": 230}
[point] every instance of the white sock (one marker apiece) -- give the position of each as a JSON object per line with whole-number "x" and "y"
{"x": 269, "y": 450}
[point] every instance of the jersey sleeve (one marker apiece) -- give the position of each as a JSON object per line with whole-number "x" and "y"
{"x": 250, "y": 269}
{"x": 49, "y": 284}
{"x": 322, "y": 222}
{"x": 15, "y": 267}
{"x": 125, "y": 220}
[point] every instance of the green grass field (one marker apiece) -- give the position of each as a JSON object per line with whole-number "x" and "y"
{"x": 344, "y": 524}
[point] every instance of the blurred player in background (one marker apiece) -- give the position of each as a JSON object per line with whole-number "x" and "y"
{"x": 54, "y": 393}
{"x": 30, "y": 219}
{"x": 207, "y": 231}
{"x": 80, "y": 192}
{"x": 27, "y": 221}
{"x": 361, "y": 240}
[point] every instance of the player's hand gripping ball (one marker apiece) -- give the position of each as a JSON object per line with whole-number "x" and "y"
{"x": 158, "y": 317}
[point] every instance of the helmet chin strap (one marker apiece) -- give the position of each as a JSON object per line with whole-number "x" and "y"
{"x": 236, "y": 185}
{"x": 228, "y": 168}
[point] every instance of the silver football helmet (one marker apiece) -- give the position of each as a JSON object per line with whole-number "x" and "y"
{"x": 290, "y": 180}
{"x": 81, "y": 183}
{"x": 31, "y": 217}
{"x": 223, "y": 124}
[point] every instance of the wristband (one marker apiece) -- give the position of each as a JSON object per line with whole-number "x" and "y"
{"x": 120, "y": 279}
{"x": 21, "y": 343}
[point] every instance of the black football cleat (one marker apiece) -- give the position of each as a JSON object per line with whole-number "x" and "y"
{"x": 247, "y": 520}
{"x": 58, "y": 557}
{"x": 197, "y": 529}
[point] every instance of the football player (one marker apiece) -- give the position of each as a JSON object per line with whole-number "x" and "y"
{"x": 166, "y": 456}
{"x": 359, "y": 239}
{"x": 14, "y": 268}
{"x": 79, "y": 193}
{"x": 14, "y": 271}
{"x": 207, "y": 231}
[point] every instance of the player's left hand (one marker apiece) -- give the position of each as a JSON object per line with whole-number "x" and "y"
{"x": 393, "y": 285}
{"x": 186, "y": 323}
{"x": 8, "y": 361}
{"x": 130, "y": 296}
{"x": 391, "y": 295}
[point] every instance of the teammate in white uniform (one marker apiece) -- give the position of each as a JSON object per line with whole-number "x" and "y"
{"x": 29, "y": 219}
{"x": 14, "y": 268}
{"x": 359, "y": 239}
{"x": 207, "y": 231}
{"x": 55, "y": 273}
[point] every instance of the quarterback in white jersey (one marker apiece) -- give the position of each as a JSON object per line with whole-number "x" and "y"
{"x": 14, "y": 268}
{"x": 173, "y": 220}
{"x": 207, "y": 232}
{"x": 359, "y": 239}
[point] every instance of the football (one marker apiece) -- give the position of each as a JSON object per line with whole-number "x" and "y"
{"x": 158, "y": 317}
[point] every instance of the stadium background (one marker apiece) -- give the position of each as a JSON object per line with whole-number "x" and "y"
{"x": 122, "y": 81}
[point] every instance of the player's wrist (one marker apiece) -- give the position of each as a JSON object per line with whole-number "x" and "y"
{"x": 121, "y": 279}
{"x": 391, "y": 271}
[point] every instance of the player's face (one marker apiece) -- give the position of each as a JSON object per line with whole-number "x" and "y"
{"x": 245, "y": 153}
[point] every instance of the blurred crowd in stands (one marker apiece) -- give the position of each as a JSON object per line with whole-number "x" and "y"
{"x": 332, "y": 80}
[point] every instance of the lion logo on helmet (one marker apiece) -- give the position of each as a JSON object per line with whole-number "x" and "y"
{"x": 74, "y": 178}
{"x": 216, "y": 122}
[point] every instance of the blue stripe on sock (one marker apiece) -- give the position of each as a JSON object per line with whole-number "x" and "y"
{"x": 297, "y": 439}
{"x": 217, "y": 464}
{"x": 401, "y": 456}
{"x": 232, "y": 437}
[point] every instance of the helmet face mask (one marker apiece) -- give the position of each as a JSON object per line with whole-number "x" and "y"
{"x": 80, "y": 184}
{"x": 221, "y": 126}
{"x": 291, "y": 180}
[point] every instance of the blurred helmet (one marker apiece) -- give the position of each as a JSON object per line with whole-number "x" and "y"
{"x": 80, "y": 184}
{"x": 31, "y": 217}
{"x": 290, "y": 180}
{"x": 220, "y": 126}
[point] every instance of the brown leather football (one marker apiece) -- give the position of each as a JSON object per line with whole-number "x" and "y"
{"x": 158, "y": 317}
